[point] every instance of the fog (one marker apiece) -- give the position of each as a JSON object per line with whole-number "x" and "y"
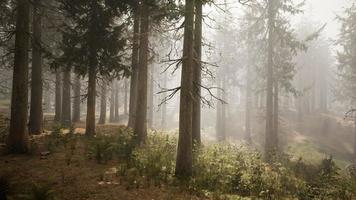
{"x": 274, "y": 77}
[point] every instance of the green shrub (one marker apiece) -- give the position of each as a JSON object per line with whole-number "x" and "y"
{"x": 156, "y": 159}
{"x": 104, "y": 147}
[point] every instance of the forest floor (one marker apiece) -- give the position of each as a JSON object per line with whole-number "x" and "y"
{"x": 80, "y": 178}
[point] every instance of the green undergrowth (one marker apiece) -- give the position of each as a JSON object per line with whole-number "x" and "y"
{"x": 226, "y": 171}
{"x": 220, "y": 170}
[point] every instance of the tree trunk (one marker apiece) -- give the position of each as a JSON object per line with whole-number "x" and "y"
{"x": 92, "y": 72}
{"x": 354, "y": 153}
{"x": 17, "y": 141}
{"x": 58, "y": 97}
{"x": 218, "y": 118}
{"x": 76, "y": 100}
{"x": 140, "y": 129}
{"x": 116, "y": 103}
{"x": 112, "y": 102}
{"x": 221, "y": 113}
{"x": 184, "y": 152}
{"x": 134, "y": 65}
{"x": 151, "y": 99}
{"x": 196, "y": 132}
{"x": 90, "y": 121}
{"x": 276, "y": 109}
{"x": 36, "y": 111}
{"x": 125, "y": 96}
{"x": 66, "y": 106}
{"x": 248, "y": 104}
{"x": 102, "y": 118}
{"x": 164, "y": 105}
{"x": 271, "y": 140}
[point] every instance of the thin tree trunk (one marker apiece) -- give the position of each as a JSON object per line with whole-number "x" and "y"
{"x": 140, "y": 129}
{"x": 17, "y": 141}
{"x": 354, "y": 153}
{"x": 58, "y": 97}
{"x": 248, "y": 93}
{"x": 196, "y": 132}
{"x": 116, "y": 103}
{"x": 102, "y": 118}
{"x": 184, "y": 159}
{"x": 134, "y": 65}
{"x": 164, "y": 105}
{"x": 76, "y": 100}
{"x": 276, "y": 110}
{"x": 218, "y": 125}
{"x": 66, "y": 106}
{"x": 112, "y": 102}
{"x": 271, "y": 140}
{"x": 125, "y": 96}
{"x": 36, "y": 111}
{"x": 151, "y": 99}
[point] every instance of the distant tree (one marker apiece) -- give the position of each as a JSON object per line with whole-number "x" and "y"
{"x": 347, "y": 62}
{"x": 66, "y": 98}
{"x": 102, "y": 118}
{"x": 94, "y": 43}
{"x": 58, "y": 97}
{"x": 76, "y": 99}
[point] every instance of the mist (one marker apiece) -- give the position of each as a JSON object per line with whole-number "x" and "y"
{"x": 183, "y": 99}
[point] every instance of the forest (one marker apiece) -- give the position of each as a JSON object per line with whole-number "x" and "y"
{"x": 177, "y": 99}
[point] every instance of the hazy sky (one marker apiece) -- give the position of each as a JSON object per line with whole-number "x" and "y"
{"x": 325, "y": 12}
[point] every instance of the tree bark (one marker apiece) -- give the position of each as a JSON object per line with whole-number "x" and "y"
{"x": 276, "y": 110}
{"x": 92, "y": 72}
{"x": 116, "y": 103}
{"x": 58, "y": 97}
{"x": 151, "y": 99}
{"x": 164, "y": 105}
{"x": 140, "y": 128}
{"x": 17, "y": 141}
{"x": 184, "y": 159}
{"x": 221, "y": 112}
{"x": 125, "y": 97}
{"x": 271, "y": 140}
{"x": 36, "y": 111}
{"x": 112, "y": 102}
{"x": 90, "y": 121}
{"x": 66, "y": 106}
{"x": 134, "y": 65}
{"x": 102, "y": 118}
{"x": 196, "y": 132}
{"x": 76, "y": 100}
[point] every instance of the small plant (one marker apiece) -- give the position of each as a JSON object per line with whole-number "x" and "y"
{"x": 69, "y": 143}
{"x": 156, "y": 159}
{"x": 102, "y": 148}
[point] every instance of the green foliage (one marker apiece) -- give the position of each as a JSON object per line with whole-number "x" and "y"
{"x": 104, "y": 147}
{"x": 236, "y": 170}
{"x": 156, "y": 159}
